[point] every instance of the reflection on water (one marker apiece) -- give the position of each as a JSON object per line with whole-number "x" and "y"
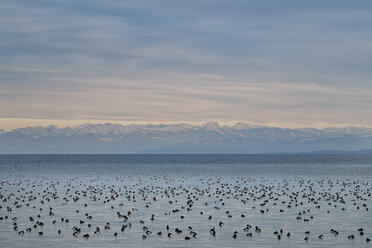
{"x": 295, "y": 193}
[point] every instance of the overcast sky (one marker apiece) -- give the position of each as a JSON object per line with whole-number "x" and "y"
{"x": 284, "y": 63}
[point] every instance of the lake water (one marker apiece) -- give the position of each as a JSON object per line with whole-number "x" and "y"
{"x": 295, "y": 193}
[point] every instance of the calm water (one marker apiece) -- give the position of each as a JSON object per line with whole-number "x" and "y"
{"x": 330, "y": 192}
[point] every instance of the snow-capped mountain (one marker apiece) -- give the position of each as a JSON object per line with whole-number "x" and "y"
{"x": 182, "y": 138}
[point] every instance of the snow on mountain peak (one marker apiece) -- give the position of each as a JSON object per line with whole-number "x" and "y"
{"x": 241, "y": 126}
{"x": 211, "y": 124}
{"x": 208, "y": 137}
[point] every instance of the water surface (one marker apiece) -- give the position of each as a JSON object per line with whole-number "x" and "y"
{"x": 340, "y": 185}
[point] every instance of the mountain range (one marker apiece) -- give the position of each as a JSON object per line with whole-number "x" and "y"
{"x": 182, "y": 138}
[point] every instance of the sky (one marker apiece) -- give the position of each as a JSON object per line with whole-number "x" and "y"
{"x": 281, "y": 63}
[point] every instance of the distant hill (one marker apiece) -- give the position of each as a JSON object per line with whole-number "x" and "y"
{"x": 184, "y": 138}
{"x": 354, "y": 152}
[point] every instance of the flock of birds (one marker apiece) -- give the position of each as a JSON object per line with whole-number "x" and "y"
{"x": 68, "y": 207}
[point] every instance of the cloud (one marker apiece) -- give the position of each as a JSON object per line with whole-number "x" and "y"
{"x": 282, "y": 62}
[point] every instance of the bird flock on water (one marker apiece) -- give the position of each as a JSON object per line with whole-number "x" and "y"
{"x": 181, "y": 199}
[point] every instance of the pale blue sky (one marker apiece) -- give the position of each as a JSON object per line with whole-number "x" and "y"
{"x": 285, "y": 63}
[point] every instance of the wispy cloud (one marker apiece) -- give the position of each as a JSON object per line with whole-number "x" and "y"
{"x": 272, "y": 61}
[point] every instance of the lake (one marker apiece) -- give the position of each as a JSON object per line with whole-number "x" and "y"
{"x": 205, "y": 197}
